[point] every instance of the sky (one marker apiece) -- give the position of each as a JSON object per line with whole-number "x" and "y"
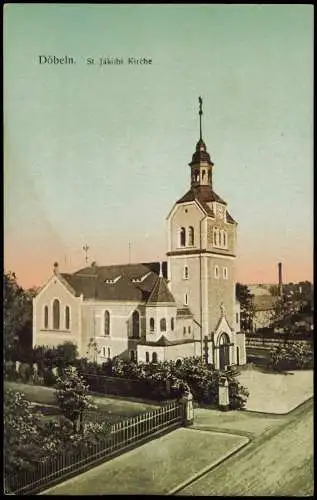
{"x": 99, "y": 154}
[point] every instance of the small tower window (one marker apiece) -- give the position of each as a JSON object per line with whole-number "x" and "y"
{"x": 224, "y": 239}
{"x": 163, "y": 325}
{"x": 172, "y": 324}
{"x": 152, "y": 324}
{"x": 216, "y": 272}
{"x": 182, "y": 237}
{"x": 186, "y": 272}
{"x": 209, "y": 176}
{"x": 190, "y": 236}
{"x": 203, "y": 175}
{"x": 196, "y": 176}
{"x": 45, "y": 317}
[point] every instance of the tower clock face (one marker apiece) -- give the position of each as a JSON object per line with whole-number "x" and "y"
{"x": 220, "y": 210}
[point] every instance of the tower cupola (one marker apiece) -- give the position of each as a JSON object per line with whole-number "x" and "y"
{"x": 201, "y": 164}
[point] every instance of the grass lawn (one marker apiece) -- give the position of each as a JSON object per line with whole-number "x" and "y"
{"x": 111, "y": 409}
{"x": 276, "y": 392}
{"x": 156, "y": 467}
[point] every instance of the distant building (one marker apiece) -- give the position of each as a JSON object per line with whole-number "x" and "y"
{"x": 147, "y": 312}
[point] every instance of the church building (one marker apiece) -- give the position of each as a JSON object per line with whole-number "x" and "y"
{"x": 149, "y": 312}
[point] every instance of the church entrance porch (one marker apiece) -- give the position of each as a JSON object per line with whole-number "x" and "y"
{"x": 224, "y": 351}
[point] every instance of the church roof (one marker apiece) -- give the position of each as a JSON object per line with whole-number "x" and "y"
{"x": 163, "y": 341}
{"x": 204, "y": 195}
{"x": 160, "y": 293}
{"x": 133, "y": 282}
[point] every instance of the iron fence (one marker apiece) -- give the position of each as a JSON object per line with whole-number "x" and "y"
{"x": 122, "y": 436}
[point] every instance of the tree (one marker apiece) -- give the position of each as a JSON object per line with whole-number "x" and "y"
{"x": 17, "y": 312}
{"x": 22, "y": 439}
{"x": 246, "y": 306}
{"x": 72, "y": 397}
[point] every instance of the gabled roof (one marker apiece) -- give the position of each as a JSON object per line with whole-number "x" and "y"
{"x": 136, "y": 281}
{"x": 160, "y": 293}
{"x": 264, "y": 302}
{"x": 204, "y": 195}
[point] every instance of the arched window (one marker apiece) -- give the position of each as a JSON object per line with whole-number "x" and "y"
{"x": 203, "y": 175}
{"x": 147, "y": 357}
{"x": 135, "y": 324}
{"x": 185, "y": 272}
{"x": 216, "y": 272}
{"x": 67, "y": 317}
{"x": 172, "y": 323}
{"x": 182, "y": 237}
{"x": 152, "y": 324}
{"x": 189, "y": 329}
{"x": 109, "y": 353}
{"x": 225, "y": 273}
{"x": 154, "y": 357}
{"x": 132, "y": 356}
{"x": 56, "y": 315}
{"x": 45, "y": 317}
{"x": 196, "y": 176}
{"x": 224, "y": 239}
{"x": 186, "y": 299}
{"x": 163, "y": 325}
{"x": 107, "y": 323}
{"x": 184, "y": 330}
{"x": 191, "y": 236}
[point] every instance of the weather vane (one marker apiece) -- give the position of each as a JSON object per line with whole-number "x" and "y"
{"x": 86, "y": 248}
{"x": 200, "y": 113}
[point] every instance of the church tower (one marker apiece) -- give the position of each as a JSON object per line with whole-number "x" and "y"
{"x": 201, "y": 260}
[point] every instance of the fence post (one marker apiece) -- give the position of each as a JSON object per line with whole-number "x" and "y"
{"x": 187, "y": 401}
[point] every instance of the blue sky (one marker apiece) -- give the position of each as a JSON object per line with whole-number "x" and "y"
{"x": 100, "y": 154}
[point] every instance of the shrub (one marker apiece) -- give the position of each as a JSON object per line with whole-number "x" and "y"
{"x": 48, "y": 377}
{"x": 292, "y": 356}
{"x": 25, "y": 372}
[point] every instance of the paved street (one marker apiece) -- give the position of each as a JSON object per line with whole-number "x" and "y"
{"x": 276, "y": 464}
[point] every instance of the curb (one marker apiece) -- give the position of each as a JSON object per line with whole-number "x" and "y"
{"x": 209, "y": 468}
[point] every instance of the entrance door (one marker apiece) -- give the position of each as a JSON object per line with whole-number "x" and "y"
{"x": 224, "y": 358}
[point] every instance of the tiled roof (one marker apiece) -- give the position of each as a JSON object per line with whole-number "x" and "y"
{"x": 183, "y": 312}
{"x": 163, "y": 341}
{"x": 136, "y": 281}
{"x": 204, "y": 195}
{"x": 160, "y": 293}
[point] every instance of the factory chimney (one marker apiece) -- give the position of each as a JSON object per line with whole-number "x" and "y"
{"x": 280, "y": 279}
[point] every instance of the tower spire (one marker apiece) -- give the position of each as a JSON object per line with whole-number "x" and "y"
{"x": 200, "y": 113}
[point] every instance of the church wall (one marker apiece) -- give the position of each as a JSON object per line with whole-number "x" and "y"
{"x": 185, "y": 215}
{"x": 119, "y": 340}
{"x": 50, "y": 336}
{"x": 221, "y": 290}
{"x": 159, "y": 312}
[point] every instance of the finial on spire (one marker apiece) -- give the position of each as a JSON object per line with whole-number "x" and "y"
{"x": 200, "y": 113}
